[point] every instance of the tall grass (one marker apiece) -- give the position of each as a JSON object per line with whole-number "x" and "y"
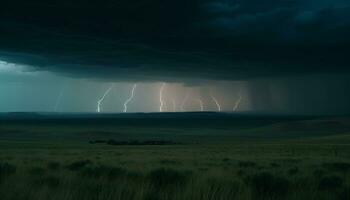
{"x": 90, "y": 180}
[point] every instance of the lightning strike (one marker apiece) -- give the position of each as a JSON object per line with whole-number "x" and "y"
{"x": 201, "y": 104}
{"x": 130, "y": 98}
{"x": 99, "y": 102}
{"x": 216, "y": 102}
{"x": 162, "y": 105}
{"x": 185, "y": 100}
{"x": 238, "y": 102}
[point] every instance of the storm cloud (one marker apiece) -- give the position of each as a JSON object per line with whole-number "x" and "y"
{"x": 177, "y": 40}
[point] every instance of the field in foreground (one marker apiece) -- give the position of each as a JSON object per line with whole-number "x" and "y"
{"x": 245, "y": 158}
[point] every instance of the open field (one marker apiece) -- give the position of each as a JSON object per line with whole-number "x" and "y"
{"x": 214, "y": 156}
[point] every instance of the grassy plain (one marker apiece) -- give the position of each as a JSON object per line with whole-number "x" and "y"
{"x": 216, "y": 157}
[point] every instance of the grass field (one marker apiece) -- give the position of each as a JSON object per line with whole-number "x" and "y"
{"x": 214, "y": 157}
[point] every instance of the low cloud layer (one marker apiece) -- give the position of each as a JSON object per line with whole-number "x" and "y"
{"x": 176, "y": 40}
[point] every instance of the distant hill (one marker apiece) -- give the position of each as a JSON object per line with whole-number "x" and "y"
{"x": 166, "y": 126}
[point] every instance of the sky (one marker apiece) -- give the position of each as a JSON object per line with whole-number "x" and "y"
{"x": 269, "y": 56}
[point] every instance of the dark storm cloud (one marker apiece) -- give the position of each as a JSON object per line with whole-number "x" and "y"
{"x": 163, "y": 39}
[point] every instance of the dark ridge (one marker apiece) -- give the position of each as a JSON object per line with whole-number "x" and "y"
{"x": 133, "y": 142}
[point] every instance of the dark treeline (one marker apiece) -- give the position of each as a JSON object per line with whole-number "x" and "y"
{"x": 133, "y": 142}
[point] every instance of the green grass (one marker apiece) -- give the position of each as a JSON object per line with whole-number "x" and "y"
{"x": 56, "y": 167}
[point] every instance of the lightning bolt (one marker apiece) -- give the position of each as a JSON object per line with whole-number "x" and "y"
{"x": 161, "y": 98}
{"x": 99, "y": 102}
{"x": 58, "y": 101}
{"x": 130, "y": 98}
{"x": 216, "y": 102}
{"x": 238, "y": 102}
{"x": 185, "y": 100}
{"x": 201, "y": 104}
